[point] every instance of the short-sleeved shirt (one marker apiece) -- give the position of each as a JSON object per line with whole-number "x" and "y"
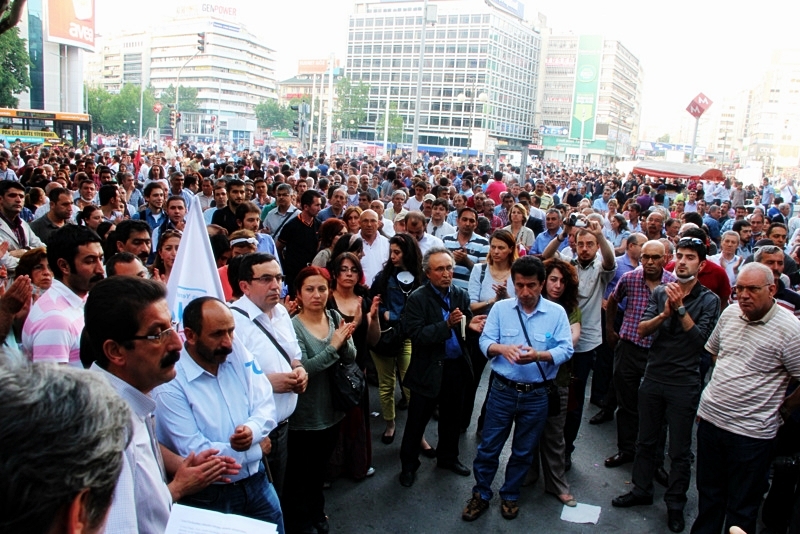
{"x": 755, "y": 360}
{"x": 53, "y": 329}
{"x": 477, "y": 249}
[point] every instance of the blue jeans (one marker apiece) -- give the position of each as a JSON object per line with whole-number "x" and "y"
{"x": 528, "y": 413}
{"x": 732, "y": 475}
{"x": 253, "y": 497}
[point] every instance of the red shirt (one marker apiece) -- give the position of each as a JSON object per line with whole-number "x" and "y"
{"x": 494, "y": 190}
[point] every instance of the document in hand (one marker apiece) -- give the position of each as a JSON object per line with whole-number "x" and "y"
{"x": 188, "y": 520}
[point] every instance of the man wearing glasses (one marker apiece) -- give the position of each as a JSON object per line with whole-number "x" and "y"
{"x": 131, "y": 341}
{"x": 755, "y": 348}
{"x": 682, "y": 314}
{"x": 265, "y": 328}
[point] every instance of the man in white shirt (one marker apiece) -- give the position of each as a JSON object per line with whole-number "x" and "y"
{"x": 219, "y": 399}
{"x": 727, "y": 258}
{"x": 376, "y": 246}
{"x": 131, "y": 341}
{"x": 415, "y": 226}
{"x": 265, "y": 328}
{"x": 438, "y": 226}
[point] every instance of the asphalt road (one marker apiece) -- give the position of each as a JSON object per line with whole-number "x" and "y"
{"x": 434, "y": 503}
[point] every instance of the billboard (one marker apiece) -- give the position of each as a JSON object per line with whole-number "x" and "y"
{"x": 512, "y": 7}
{"x": 71, "y": 22}
{"x": 587, "y": 85}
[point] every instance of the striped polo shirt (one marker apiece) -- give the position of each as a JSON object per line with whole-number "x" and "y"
{"x": 755, "y": 360}
{"x": 477, "y": 249}
{"x": 53, "y": 329}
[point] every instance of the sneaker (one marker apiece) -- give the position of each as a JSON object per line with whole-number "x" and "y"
{"x": 509, "y": 509}
{"x": 475, "y": 507}
{"x": 370, "y": 471}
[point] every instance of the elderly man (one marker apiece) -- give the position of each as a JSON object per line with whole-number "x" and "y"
{"x": 265, "y": 328}
{"x": 415, "y": 226}
{"x": 79, "y": 420}
{"x": 518, "y": 394}
{"x": 727, "y": 258}
{"x": 130, "y": 339}
{"x": 756, "y": 352}
{"x": 436, "y": 315}
{"x": 376, "y": 246}
{"x": 196, "y": 411}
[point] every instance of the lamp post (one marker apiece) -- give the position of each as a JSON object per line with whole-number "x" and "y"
{"x": 461, "y": 97}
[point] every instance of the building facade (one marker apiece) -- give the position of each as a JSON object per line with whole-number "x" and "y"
{"x": 591, "y": 99}
{"x": 479, "y": 72}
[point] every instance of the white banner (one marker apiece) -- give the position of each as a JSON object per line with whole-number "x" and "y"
{"x": 195, "y": 271}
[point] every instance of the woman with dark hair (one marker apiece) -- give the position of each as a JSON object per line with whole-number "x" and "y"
{"x": 324, "y": 339}
{"x": 166, "y": 253}
{"x": 617, "y": 233}
{"x": 104, "y": 229}
{"x": 401, "y": 275}
{"x": 348, "y": 296}
{"x": 329, "y": 233}
{"x": 561, "y": 287}
{"x": 34, "y": 264}
{"x": 348, "y": 243}
{"x": 90, "y": 216}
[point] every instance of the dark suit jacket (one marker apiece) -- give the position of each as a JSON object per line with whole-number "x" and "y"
{"x": 428, "y": 333}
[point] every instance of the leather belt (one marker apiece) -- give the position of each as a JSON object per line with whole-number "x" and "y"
{"x": 521, "y": 387}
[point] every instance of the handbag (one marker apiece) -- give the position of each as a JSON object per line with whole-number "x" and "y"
{"x": 553, "y": 396}
{"x": 347, "y": 383}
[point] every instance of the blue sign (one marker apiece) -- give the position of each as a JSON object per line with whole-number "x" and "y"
{"x": 554, "y": 130}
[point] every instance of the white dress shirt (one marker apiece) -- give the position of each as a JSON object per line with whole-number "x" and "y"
{"x": 269, "y": 359}
{"x": 198, "y": 411}
{"x": 142, "y": 500}
{"x": 375, "y": 255}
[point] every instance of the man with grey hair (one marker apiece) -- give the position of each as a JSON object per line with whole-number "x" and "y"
{"x": 435, "y": 317}
{"x": 711, "y": 220}
{"x": 337, "y": 205}
{"x": 756, "y": 352}
{"x": 61, "y": 460}
{"x": 727, "y": 257}
{"x": 398, "y": 200}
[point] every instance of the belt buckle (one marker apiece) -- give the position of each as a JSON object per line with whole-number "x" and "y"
{"x": 522, "y": 388}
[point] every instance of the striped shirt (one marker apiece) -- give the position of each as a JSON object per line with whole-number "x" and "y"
{"x": 755, "y": 360}
{"x": 477, "y": 248}
{"x": 53, "y": 329}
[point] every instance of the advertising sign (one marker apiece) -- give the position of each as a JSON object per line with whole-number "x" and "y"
{"x": 512, "y": 7}
{"x": 587, "y": 84}
{"x": 699, "y": 105}
{"x": 71, "y": 22}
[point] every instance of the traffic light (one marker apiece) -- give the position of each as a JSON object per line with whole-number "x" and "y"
{"x": 201, "y": 42}
{"x": 172, "y": 119}
{"x": 296, "y": 128}
{"x": 213, "y": 122}
{"x": 177, "y": 117}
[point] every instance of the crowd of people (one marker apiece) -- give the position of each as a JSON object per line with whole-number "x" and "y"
{"x": 677, "y": 297}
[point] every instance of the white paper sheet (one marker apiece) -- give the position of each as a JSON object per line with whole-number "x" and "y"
{"x": 188, "y": 520}
{"x": 583, "y": 513}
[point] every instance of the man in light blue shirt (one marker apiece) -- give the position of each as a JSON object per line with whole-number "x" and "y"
{"x": 220, "y": 398}
{"x": 552, "y": 223}
{"x": 527, "y": 339}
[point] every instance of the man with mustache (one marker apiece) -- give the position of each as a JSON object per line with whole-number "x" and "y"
{"x": 134, "y": 236}
{"x": 130, "y": 338}
{"x": 52, "y": 331}
{"x": 221, "y": 399}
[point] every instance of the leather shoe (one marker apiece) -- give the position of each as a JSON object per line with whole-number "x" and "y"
{"x": 430, "y": 452}
{"x": 603, "y": 416}
{"x": 630, "y": 499}
{"x": 456, "y": 467}
{"x": 662, "y": 477}
{"x": 407, "y": 478}
{"x": 675, "y": 520}
{"x": 621, "y": 458}
{"x": 387, "y": 440}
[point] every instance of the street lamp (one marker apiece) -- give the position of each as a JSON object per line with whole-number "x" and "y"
{"x": 461, "y": 97}
{"x": 352, "y": 125}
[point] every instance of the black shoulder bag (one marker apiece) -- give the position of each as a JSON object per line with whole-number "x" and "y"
{"x": 347, "y": 381}
{"x": 269, "y": 336}
{"x": 553, "y": 397}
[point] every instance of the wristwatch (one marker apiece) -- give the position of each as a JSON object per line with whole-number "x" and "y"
{"x": 681, "y": 311}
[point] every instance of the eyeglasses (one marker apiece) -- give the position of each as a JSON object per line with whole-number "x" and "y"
{"x": 653, "y": 257}
{"x": 687, "y": 241}
{"x": 268, "y": 278}
{"x": 749, "y": 289}
{"x": 159, "y": 338}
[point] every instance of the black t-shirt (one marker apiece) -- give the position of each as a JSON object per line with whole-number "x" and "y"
{"x": 225, "y": 218}
{"x": 300, "y": 247}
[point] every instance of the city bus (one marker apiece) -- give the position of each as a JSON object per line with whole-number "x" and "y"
{"x": 36, "y": 127}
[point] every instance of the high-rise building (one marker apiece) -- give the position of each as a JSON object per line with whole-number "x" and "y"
{"x": 591, "y": 99}
{"x": 479, "y": 72}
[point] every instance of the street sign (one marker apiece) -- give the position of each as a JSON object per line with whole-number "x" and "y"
{"x": 699, "y": 105}
{"x": 157, "y": 107}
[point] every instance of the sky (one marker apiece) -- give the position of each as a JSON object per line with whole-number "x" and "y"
{"x": 685, "y": 46}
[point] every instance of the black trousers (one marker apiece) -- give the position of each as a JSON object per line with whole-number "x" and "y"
{"x": 278, "y": 455}
{"x": 602, "y": 393}
{"x": 582, "y": 363}
{"x": 420, "y": 408}
{"x": 629, "y": 363}
{"x": 677, "y": 406}
{"x": 479, "y": 362}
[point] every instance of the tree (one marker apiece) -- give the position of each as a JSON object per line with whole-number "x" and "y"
{"x": 664, "y": 138}
{"x": 351, "y": 104}
{"x": 11, "y": 14}
{"x": 188, "y": 97}
{"x": 120, "y": 112}
{"x": 14, "y": 63}
{"x": 271, "y": 114}
{"x": 396, "y": 124}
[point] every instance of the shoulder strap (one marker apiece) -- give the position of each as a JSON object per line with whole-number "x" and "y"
{"x": 525, "y": 331}
{"x": 266, "y": 332}
{"x": 483, "y": 271}
{"x": 280, "y": 226}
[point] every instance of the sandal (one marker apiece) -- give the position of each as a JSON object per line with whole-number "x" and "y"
{"x": 567, "y": 500}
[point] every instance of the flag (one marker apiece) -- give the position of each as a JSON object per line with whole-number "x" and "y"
{"x": 137, "y": 164}
{"x": 195, "y": 271}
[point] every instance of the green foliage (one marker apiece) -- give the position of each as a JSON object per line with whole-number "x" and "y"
{"x": 396, "y": 124}
{"x": 663, "y": 139}
{"x": 14, "y": 63}
{"x": 351, "y": 104}
{"x": 272, "y": 115}
{"x": 119, "y": 113}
